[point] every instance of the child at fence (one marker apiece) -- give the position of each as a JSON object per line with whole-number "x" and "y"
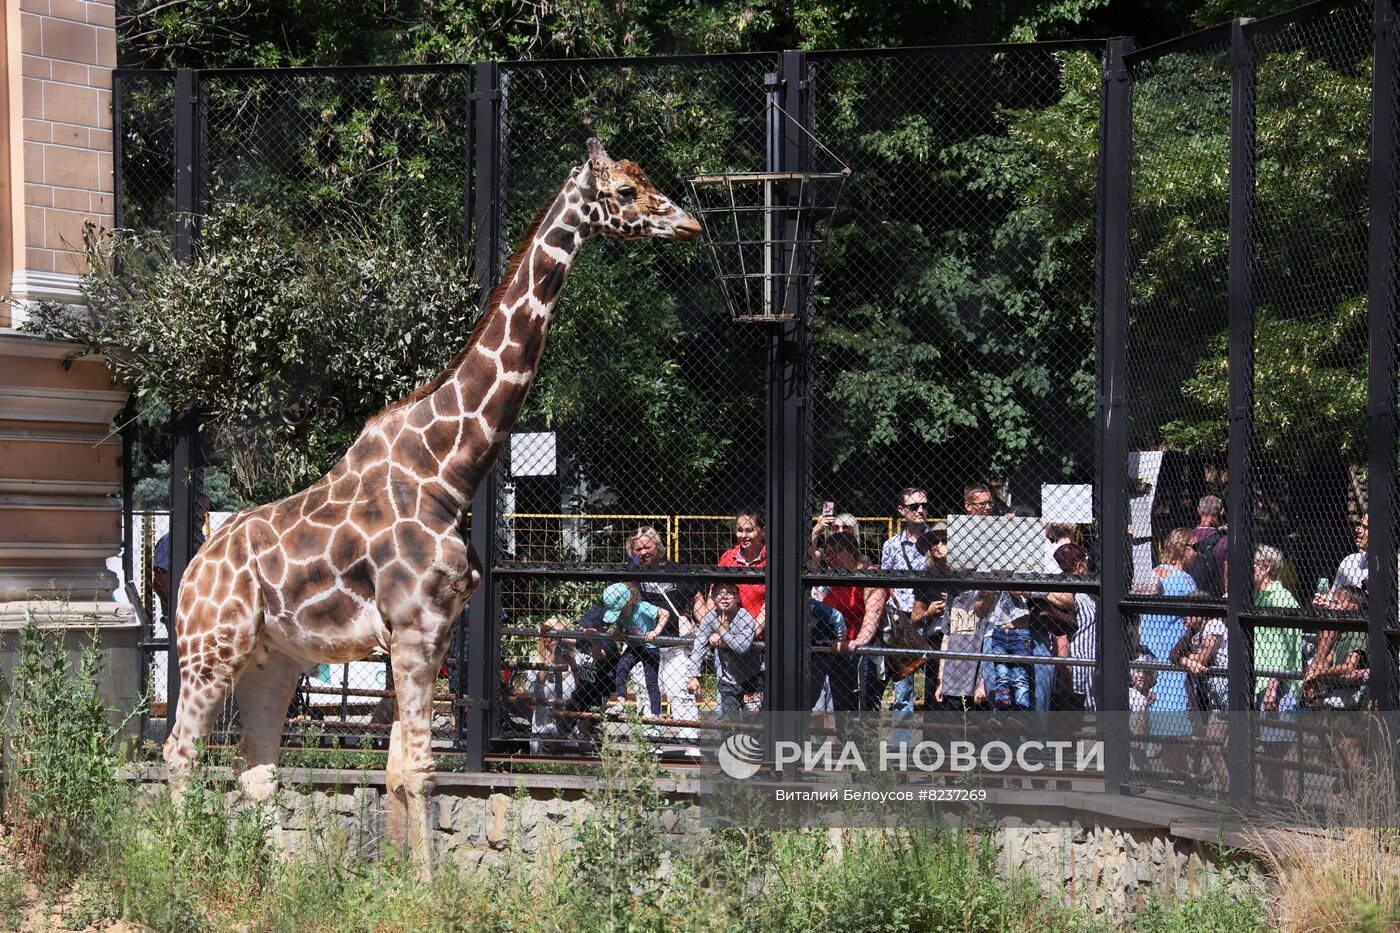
{"x": 1141, "y": 698}
{"x": 1010, "y": 636}
{"x": 633, "y": 615}
{"x": 729, "y": 632}
{"x": 551, "y": 686}
{"x": 593, "y": 662}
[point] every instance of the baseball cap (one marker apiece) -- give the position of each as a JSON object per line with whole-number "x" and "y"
{"x": 614, "y": 598}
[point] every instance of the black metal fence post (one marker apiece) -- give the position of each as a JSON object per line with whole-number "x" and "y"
{"x": 787, "y": 517}
{"x": 1240, "y": 747}
{"x": 1381, "y": 607}
{"x": 482, "y": 618}
{"x": 184, "y": 459}
{"x": 1115, "y": 204}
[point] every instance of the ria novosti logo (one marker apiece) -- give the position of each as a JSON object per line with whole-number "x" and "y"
{"x": 740, "y": 756}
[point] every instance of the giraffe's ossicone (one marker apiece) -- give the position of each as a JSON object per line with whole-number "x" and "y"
{"x": 372, "y": 555}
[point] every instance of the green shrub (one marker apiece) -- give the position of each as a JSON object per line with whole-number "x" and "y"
{"x": 1215, "y": 910}
{"x": 346, "y": 321}
{"x": 12, "y": 898}
{"x": 61, "y": 754}
{"x": 612, "y": 877}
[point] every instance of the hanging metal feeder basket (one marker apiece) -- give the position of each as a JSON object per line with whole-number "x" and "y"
{"x": 761, "y": 229}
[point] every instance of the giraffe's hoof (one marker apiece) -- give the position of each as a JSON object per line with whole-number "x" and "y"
{"x": 260, "y": 783}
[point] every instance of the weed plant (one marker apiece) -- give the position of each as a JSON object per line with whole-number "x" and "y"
{"x": 1346, "y": 878}
{"x": 61, "y": 754}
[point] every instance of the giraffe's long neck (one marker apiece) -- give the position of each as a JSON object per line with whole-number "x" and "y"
{"x": 491, "y": 378}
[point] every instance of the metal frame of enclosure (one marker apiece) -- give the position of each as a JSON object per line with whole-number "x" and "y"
{"x": 1146, "y": 119}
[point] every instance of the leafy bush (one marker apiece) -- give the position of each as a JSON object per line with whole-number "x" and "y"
{"x": 62, "y": 753}
{"x": 1216, "y": 910}
{"x": 285, "y": 343}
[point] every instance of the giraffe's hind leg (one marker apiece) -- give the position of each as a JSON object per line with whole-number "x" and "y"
{"x": 204, "y": 686}
{"x": 264, "y": 692}
{"x": 216, "y": 629}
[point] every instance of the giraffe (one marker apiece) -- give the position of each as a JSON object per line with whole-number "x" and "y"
{"x": 372, "y": 555}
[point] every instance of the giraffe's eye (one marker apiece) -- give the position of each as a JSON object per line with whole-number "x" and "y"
{"x": 627, "y": 191}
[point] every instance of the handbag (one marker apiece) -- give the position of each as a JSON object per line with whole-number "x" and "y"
{"x": 897, "y": 631}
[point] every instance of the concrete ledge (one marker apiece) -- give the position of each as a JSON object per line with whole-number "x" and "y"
{"x": 59, "y": 550}
{"x": 35, "y": 285}
{"x": 1190, "y": 824}
{"x": 19, "y": 343}
{"x": 59, "y": 614}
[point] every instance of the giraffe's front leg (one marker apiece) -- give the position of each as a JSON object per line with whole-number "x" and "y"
{"x": 411, "y": 776}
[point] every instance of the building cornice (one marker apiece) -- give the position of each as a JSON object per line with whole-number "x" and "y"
{"x": 34, "y": 285}
{"x": 85, "y": 406}
{"x": 58, "y": 614}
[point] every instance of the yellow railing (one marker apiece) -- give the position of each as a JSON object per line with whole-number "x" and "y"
{"x": 689, "y": 539}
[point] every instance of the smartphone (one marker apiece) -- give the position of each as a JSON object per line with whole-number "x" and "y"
{"x": 828, "y": 507}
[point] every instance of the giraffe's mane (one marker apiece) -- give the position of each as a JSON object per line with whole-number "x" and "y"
{"x": 432, "y": 385}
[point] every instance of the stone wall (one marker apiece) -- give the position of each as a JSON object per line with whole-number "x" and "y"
{"x": 481, "y": 820}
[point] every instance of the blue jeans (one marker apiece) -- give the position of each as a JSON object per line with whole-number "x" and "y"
{"x": 904, "y": 695}
{"x": 650, "y": 659}
{"x": 903, "y": 707}
{"x": 1043, "y": 647}
{"x": 1013, "y": 681}
{"x": 874, "y": 683}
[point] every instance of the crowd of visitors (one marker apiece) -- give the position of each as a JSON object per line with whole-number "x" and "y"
{"x": 995, "y": 649}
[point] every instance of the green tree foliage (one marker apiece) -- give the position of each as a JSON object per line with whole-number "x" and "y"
{"x": 1309, "y": 265}
{"x": 214, "y": 33}
{"x": 957, "y": 293}
{"x": 263, "y": 320}
{"x": 982, "y": 340}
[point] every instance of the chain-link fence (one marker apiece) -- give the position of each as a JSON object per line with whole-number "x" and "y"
{"x": 953, "y": 356}
{"x": 145, "y": 164}
{"x": 1177, "y": 471}
{"x": 384, "y": 148}
{"x": 952, "y": 411}
{"x": 1249, "y": 353}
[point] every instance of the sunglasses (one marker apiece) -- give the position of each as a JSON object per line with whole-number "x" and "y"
{"x": 916, "y": 506}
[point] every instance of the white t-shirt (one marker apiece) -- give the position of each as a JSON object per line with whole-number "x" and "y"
{"x": 1217, "y": 685}
{"x": 548, "y": 689}
{"x": 1352, "y": 571}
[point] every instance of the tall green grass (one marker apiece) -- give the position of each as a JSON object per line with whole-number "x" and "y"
{"x": 61, "y": 754}
{"x": 212, "y": 863}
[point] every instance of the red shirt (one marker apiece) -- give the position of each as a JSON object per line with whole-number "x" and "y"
{"x": 850, "y": 602}
{"x": 751, "y": 595}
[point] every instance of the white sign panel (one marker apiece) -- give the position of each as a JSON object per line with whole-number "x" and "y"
{"x": 1067, "y": 505}
{"x": 996, "y": 542}
{"x": 532, "y": 454}
{"x": 369, "y": 675}
{"x": 1144, "y": 466}
{"x": 1143, "y": 577}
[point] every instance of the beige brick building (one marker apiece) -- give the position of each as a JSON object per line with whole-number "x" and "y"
{"x": 56, "y": 161}
{"x": 60, "y": 464}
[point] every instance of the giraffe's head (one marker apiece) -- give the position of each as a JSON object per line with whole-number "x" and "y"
{"x": 623, "y": 203}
